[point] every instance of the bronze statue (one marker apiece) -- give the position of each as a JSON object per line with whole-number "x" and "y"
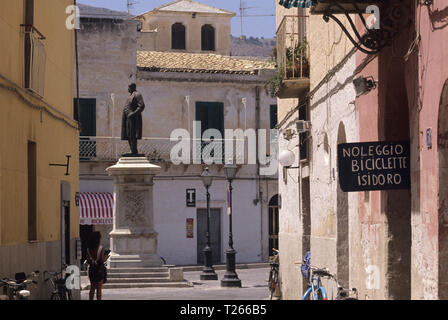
{"x": 131, "y": 125}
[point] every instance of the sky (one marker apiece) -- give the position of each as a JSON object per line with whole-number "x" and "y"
{"x": 262, "y": 24}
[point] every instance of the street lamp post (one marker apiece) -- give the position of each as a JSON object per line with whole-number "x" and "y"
{"x": 208, "y": 273}
{"x": 230, "y": 277}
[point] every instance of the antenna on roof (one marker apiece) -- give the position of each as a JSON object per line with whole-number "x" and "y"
{"x": 242, "y": 9}
{"x": 130, "y": 4}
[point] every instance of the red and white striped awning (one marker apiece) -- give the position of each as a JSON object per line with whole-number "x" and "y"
{"x": 96, "y": 208}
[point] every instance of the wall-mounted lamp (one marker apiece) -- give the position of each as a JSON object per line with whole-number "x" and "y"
{"x": 364, "y": 85}
{"x": 428, "y": 2}
{"x": 287, "y": 158}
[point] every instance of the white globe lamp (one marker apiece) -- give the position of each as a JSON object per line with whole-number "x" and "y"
{"x": 286, "y": 158}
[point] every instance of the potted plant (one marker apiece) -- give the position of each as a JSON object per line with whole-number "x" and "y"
{"x": 297, "y": 61}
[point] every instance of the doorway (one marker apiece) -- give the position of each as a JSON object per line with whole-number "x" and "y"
{"x": 442, "y": 141}
{"x": 273, "y": 224}
{"x": 215, "y": 234}
{"x": 66, "y": 232}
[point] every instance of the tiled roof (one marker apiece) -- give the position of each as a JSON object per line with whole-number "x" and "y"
{"x": 87, "y": 11}
{"x": 199, "y": 63}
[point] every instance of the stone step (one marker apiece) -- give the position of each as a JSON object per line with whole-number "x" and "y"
{"x": 138, "y": 275}
{"x": 138, "y": 270}
{"x": 138, "y": 280}
{"x": 108, "y": 285}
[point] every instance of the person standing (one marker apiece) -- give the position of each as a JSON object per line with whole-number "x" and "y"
{"x": 131, "y": 126}
{"x": 96, "y": 260}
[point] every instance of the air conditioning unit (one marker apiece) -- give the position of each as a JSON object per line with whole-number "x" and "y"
{"x": 303, "y": 126}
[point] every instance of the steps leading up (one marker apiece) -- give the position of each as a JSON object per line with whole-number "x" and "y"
{"x": 122, "y": 278}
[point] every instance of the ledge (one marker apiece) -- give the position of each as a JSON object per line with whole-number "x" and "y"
{"x": 294, "y": 88}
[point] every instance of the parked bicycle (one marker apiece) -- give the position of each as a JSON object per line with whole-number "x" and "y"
{"x": 56, "y": 281}
{"x": 17, "y": 289}
{"x": 274, "y": 272}
{"x": 316, "y": 291}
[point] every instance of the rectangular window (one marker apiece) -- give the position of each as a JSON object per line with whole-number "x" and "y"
{"x": 211, "y": 116}
{"x": 86, "y": 117}
{"x": 32, "y": 191}
{"x": 303, "y": 137}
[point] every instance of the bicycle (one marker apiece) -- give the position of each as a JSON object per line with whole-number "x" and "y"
{"x": 316, "y": 291}
{"x": 274, "y": 272}
{"x": 17, "y": 289}
{"x": 58, "y": 288}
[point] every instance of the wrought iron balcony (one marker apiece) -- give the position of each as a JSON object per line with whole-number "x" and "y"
{"x": 293, "y": 56}
{"x": 157, "y": 150}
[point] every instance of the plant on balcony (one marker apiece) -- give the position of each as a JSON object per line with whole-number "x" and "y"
{"x": 297, "y": 64}
{"x": 272, "y": 86}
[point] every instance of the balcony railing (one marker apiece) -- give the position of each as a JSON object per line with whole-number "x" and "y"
{"x": 156, "y": 149}
{"x": 292, "y": 47}
{"x": 293, "y": 56}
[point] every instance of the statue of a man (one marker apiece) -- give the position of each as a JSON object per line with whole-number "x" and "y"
{"x": 131, "y": 126}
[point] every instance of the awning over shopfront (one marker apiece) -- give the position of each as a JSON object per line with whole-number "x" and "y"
{"x": 96, "y": 208}
{"x": 296, "y": 3}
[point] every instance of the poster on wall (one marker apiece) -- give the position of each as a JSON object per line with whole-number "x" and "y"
{"x": 368, "y": 166}
{"x": 190, "y": 234}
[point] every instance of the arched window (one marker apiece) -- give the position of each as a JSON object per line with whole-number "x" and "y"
{"x": 208, "y": 38}
{"x": 178, "y": 36}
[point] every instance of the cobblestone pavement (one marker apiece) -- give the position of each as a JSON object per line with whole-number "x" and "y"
{"x": 254, "y": 287}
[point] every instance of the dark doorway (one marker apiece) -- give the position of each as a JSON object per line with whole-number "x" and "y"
{"x": 215, "y": 234}
{"x": 306, "y": 223}
{"x": 442, "y": 142}
{"x": 84, "y": 233}
{"x": 66, "y": 226}
{"x": 273, "y": 224}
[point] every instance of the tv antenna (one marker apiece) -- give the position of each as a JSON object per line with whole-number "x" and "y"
{"x": 242, "y": 9}
{"x": 129, "y": 4}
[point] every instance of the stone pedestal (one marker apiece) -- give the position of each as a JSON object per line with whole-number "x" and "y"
{"x": 133, "y": 240}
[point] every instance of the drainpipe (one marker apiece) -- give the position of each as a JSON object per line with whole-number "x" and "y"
{"x": 258, "y": 197}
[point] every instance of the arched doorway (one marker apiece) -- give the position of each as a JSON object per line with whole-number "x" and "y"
{"x": 442, "y": 142}
{"x": 273, "y": 224}
{"x": 342, "y": 240}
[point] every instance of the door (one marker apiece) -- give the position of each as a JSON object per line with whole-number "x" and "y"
{"x": 215, "y": 234}
{"x": 273, "y": 225}
{"x": 66, "y": 232}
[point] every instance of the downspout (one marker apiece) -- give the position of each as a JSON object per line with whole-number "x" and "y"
{"x": 258, "y": 196}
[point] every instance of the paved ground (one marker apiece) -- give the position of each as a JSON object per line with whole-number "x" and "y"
{"x": 254, "y": 287}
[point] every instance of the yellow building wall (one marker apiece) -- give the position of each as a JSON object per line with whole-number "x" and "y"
{"x": 46, "y": 121}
